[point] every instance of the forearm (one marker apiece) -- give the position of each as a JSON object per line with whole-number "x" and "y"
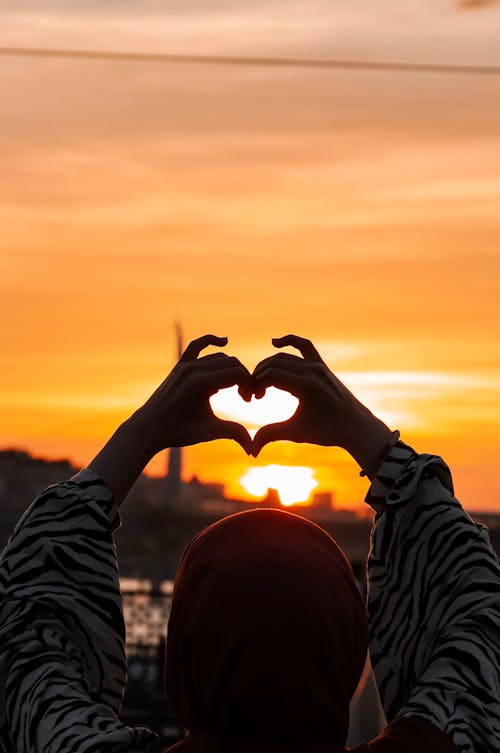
{"x": 124, "y": 457}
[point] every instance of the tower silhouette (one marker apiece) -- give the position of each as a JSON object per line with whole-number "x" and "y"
{"x": 173, "y": 483}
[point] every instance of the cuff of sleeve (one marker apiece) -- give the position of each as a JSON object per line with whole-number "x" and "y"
{"x": 388, "y": 473}
{"x": 93, "y": 485}
{"x": 400, "y": 474}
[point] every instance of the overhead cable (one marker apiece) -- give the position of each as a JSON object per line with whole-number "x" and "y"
{"x": 228, "y": 60}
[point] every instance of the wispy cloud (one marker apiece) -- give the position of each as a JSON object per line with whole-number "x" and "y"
{"x": 476, "y": 4}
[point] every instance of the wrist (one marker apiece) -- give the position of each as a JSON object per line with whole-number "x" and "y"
{"x": 367, "y": 437}
{"x": 372, "y": 469}
{"x": 123, "y": 458}
{"x": 138, "y": 432}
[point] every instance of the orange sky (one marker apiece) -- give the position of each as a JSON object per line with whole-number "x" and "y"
{"x": 358, "y": 209}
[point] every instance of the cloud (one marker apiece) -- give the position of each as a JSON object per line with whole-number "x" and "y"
{"x": 476, "y": 4}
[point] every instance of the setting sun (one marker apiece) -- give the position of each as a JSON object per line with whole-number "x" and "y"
{"x": 276, "y": 405}
{"x": 293, "y": 483}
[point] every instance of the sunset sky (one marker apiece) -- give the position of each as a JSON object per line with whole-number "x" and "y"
{"x": 360, "y": 209}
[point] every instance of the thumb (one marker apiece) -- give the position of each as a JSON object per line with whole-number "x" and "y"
{"x": 270, "y": 433}
{"x": 233, "y": 430}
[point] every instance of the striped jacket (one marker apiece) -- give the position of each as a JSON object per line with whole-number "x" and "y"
{"x": 433, "y": 604}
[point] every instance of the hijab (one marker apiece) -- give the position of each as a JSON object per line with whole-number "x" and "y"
{"x": 267, "y": 637}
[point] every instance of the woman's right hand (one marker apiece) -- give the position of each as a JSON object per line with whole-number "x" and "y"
{"x": 327, "y": 414}
{"x": 179, "y": 414}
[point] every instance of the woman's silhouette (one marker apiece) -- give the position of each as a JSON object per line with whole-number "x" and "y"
{"x": 268, "y": 634}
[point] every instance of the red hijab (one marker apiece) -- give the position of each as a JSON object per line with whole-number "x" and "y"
{"x": 267, "y": 637}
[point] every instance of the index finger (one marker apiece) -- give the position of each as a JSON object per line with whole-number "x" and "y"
{"x": 285, "y": 360}
{"x": 304, "y": 346}
{"x": 195, "y": 347}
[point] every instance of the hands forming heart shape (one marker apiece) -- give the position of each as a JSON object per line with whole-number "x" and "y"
{"x": 180, "y": 412}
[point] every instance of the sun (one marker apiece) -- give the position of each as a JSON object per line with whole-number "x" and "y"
{"x": 276, "y": 405}
{"x": 294, "y": 483}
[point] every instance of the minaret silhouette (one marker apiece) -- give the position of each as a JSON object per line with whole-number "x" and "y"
{"x": 173, "y": 483}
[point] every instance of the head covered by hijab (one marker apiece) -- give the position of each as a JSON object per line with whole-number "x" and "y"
{"x": 267, "y": 637}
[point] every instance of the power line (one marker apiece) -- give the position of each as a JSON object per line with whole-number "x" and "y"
{"x": 144, "y": 57}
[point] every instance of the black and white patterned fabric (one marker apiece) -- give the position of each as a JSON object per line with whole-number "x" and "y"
{"x": 62, "y": 656}
{"x": 433, "y": 603}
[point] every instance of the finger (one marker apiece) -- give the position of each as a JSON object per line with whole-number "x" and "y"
{"x": 303, "y": 345}
{"x": 227, "y": 377}
{"x": 285, "y": 361}
{"x": 213, "y": 357}
{"x": 218, "y": 360}
{"x": 283, "y": 430}
{"x": 279, "y": 358}
{"x": 246, "y": 393}
{"x": 281, "y": 361}
{"x": 284, "y": 380}
{"x": 221, "y": 360}
{"x": 259, "y": 391}
{"x": 195, "y": 347}
{"x": 233, "y": 430}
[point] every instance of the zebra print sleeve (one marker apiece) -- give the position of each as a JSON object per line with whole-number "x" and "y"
{"x": 62, "y": 635}
{"x": 433, "y": 604}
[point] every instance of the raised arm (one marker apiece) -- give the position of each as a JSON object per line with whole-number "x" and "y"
{"x": 62, "y": 657}
{"x": 434, "y": 581}
{"x": 434, "y": 604}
